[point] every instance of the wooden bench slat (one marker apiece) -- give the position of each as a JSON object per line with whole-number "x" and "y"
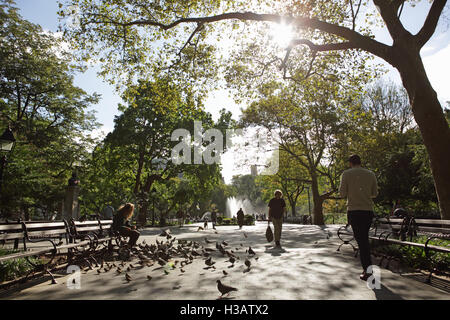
{"x": 7, "y": 236}
{"x": 8, "y": 227}
{"x": 45, "y": 225}
{"x": 44, "y": 233}
{"x": 82, "y": 229}
{"x": 84, "y": 223}
{"x": 433, "y": 221}
{"x": 433, "y": 229}
{"x": 24, "y": 254}
{"x": 384, "y": 220}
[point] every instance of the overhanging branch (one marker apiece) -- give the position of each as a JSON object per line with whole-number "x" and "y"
{"x": 430, "y": 23}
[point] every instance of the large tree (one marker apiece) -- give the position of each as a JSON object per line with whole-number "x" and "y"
{"x": 47, "y": 113}
{"x": 111, "y": 29}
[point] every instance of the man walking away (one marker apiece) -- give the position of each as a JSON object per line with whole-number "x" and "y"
{"x": 277, "y": 207}
{"x": 214, "y": 218}
{"x": 359, "y": 186}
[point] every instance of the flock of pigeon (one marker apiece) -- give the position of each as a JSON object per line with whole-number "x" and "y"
{"x": 171, "y": 254}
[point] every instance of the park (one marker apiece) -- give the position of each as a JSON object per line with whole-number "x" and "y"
{"x": 128, "y": 173}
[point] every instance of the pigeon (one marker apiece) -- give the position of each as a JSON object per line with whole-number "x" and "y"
{"x": 128, "y": 277}
{"x": 250, "y": 251}
{"x": 149, "y": 277}
{"x": 248, "y": 263}
{"x": 209, "y": 262}
{"x": 224, "y": 289}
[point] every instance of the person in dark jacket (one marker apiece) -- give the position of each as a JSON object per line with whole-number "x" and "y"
{"x": 277, "y": 207}
{"x": 214, "y": 219}
{"x": 240, "y": 218}
{"x": 121, "y": 223}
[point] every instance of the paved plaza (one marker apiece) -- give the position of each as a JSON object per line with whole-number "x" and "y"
{"x": 308, "y": 267}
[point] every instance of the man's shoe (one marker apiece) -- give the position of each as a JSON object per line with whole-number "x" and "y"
{"x": 364, "y": 276}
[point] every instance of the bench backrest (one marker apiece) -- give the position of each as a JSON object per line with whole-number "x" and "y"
{"x": 96, "y": 226}
{"x": 41, "y": 230}
{"x": 12, "y": 232}
{"x": 106, "y": 225}
{"x": 430, "y": 226}
{"x": 387, "y": 224}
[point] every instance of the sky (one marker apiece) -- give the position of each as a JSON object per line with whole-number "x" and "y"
{"x": 435, "y": 54}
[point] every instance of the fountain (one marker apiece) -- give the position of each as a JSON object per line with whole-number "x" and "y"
{"x": 233, "y": 205}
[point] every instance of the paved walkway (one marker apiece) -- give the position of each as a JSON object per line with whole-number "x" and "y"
{"x": 308, "y": 267}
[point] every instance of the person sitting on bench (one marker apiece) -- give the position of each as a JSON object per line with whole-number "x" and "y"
{"x": 121, "y": 223}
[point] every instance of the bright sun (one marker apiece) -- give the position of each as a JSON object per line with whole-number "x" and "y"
{"x": 282, "y": 34}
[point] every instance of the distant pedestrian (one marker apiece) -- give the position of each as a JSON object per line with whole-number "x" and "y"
{"x": 359, "y": 186}
{"x": 214, "y": 219}
{"x": 108, "y": 212}
{"x": 277, "y": 208}
{"x": 180, "y": 217}
{"x": 121, "y": 223}
{"x": 240, "y": 218}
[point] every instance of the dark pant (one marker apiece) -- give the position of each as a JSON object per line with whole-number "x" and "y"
{"x": 128, "y": 232}
{"x": 361, "y": 221}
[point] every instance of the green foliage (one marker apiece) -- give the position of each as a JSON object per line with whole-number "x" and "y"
{"x": 249, "y": 220}
{"x": 14, "y": 268}
{"x": 415, "y": 257}
{"x": 48, "y": 115}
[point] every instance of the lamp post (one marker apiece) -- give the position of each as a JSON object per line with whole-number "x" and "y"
{"x": 153, "y": 193}
{"x": 6, "y": 144}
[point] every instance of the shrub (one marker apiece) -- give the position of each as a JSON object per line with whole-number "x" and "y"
{"x": 415, "y": 257}
{"x": 14, "y": 268}
{"x": 227, "y": 221}
{"x": 249, "y": 220}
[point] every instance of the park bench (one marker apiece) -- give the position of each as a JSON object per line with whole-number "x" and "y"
{"x": 81, "y": 241}
{"x": 401, "y": 231}
{"x": 98, "y": 233}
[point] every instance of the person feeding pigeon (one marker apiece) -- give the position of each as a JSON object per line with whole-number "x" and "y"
{"x": 240, "y": 218}
{"x": 277, "y": 207}
{"x": 121, "y": 223}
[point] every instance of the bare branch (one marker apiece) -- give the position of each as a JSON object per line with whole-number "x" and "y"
{"x": 199, "y": 27}
{"x": 431, "y": 21}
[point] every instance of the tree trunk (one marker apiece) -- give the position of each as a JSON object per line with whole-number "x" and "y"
{"x": 430, "y": 119}
{"x": 317, "y": 202}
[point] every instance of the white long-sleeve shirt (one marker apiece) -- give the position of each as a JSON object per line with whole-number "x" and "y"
{"x": 359, "y": 186}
